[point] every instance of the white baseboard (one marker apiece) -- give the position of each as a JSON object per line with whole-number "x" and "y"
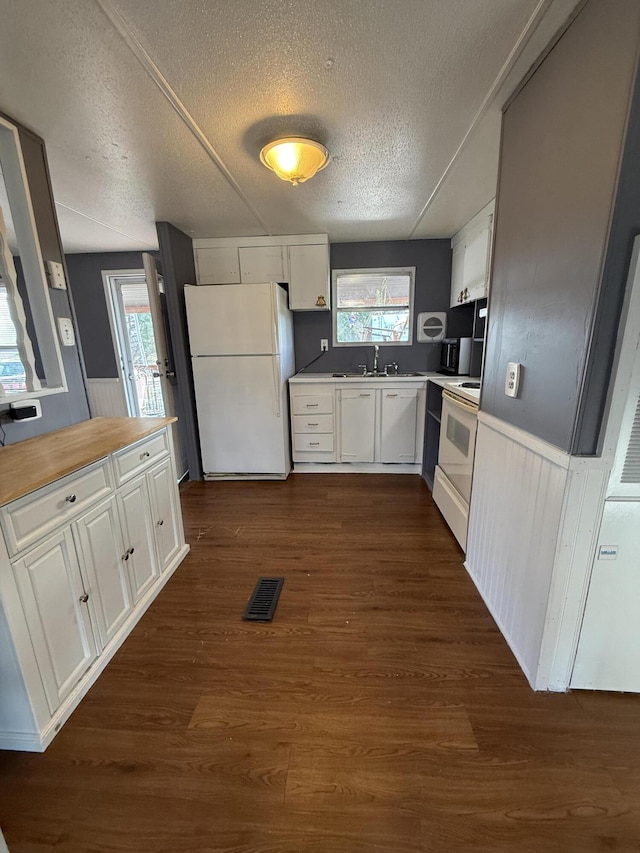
{"x": 356, "y": 468}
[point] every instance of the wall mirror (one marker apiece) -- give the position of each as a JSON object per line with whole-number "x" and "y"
{"x": 30, "y": 358}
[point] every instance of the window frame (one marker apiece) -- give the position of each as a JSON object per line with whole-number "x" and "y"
{"x": 335, "y": 274}
{"x": 35, "y": 278}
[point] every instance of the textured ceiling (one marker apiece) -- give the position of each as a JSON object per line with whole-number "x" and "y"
{"x": 156, "y": 110}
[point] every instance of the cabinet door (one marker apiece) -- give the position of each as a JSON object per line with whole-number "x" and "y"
{"x": 476, "y": 260}
{"x": 164, "y": 512}
{"x": 309, "y": 278}
{"x": 357, "y": 425}
{"x": 261, "y": 263}
{"x": 457, "y": 273}
{"x": 398, "y": 428}
{"x": 100, "y": 545}
{"x": 219, "y": 265}
{"x": 137, "y": 527}
{"x": 52, "y": 593}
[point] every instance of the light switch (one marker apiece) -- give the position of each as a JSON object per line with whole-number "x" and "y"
{"x": 56, "y": 275}
{"x": 67, "y": 335}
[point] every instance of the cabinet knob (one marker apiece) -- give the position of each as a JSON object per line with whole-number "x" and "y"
{"x": 125, "y": 556}
{"x": 145, "y": 455}
{"x": 131, "y": 550}
{"x": 161, "y": 522}
{"x": 71, "y": 499}
{"x": 84, "y": 598}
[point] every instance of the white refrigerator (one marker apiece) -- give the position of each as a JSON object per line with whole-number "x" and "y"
{"x": 241, "y": 340}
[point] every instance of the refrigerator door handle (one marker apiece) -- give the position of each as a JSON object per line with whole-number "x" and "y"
{"x": 276, "y": 385}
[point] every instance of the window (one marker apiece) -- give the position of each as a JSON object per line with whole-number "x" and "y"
{"x": 373, "y": 306}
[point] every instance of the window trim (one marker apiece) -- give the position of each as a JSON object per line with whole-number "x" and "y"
{"x": 335, "y": 274}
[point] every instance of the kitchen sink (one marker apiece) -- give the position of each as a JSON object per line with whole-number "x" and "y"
{"x": 373, "y": 375}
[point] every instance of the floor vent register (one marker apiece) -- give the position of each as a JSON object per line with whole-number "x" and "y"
{"x": 264, "y": 600}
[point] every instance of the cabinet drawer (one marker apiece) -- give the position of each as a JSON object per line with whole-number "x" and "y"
{"x": 33, "y": 516}
{"x": 313, "y": 443}
{"x": 132, "y": 460}
{"x": 312, "y": 423}
{"x": 321, "y": 404}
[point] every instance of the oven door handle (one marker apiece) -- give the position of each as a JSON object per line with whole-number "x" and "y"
{"x": 458, "y": 401}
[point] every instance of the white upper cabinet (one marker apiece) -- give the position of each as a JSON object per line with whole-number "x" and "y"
{"x": 471, "y": 261}
{"x": 299, "y": 260}
{"x": 218, "y": 265}
{"x": 262, "y": 263}
{"x": 309, "y": 278}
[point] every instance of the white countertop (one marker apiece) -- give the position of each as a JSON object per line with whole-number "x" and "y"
{"x": 452, "y": 382}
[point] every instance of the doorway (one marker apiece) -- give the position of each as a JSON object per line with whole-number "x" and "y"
{"x": 137, "y": 313}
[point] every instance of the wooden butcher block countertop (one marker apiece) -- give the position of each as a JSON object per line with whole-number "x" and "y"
{"x": 36, "y": 462}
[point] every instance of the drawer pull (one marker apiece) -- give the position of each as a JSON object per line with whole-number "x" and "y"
{"x": 312, "y": 405}
{"x": 392, "y": 395}
{"x": 314, "y": 444}
{"x": 364, "y": 395}
{"x": 308, "y": 424}
{"x": 71, "y": 499}
{"x": 84, "y": 598}
{"x": 145, "y": 455}
{"x": 161, "y": 522}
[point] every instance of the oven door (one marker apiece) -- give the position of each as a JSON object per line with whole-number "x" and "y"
{"x": 457, "y": 442}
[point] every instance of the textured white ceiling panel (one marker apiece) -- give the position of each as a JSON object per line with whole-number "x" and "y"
{"x": 391, "y": 86}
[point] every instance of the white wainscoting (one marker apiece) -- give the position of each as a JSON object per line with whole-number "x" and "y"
{"x": 514, "y": 520}
{"x": 533, "y": 526}
{"x": 106, "y": 398}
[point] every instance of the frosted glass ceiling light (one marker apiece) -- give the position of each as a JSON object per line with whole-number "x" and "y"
{"x": 295, "y": 159}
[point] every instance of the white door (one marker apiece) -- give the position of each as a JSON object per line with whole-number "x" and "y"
{"x": 164, "y": 512}
{"x": 398, "y": 428}
{"x": 138, "y": 528}
{"x": 232, "y": 319}
{"x": 240, "y": 415}
{"x": 357, "y": 425}
{"x": 56, "y": 609}
{"x": 164, "y": 373}
{"x": 476, "y": 260}
{"x": 607, "y": 657}
{"x": 99, "y": 540}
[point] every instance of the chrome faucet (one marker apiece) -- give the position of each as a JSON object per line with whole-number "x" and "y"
{"x": 376, "y": 350}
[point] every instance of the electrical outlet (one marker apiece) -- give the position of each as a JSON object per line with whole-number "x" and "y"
{"x": 512, "y": 381}
{"x": 324, "y": 344}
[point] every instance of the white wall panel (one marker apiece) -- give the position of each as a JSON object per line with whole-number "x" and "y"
{"x": 514, "y": 522}
{"x": 106, "y": 398}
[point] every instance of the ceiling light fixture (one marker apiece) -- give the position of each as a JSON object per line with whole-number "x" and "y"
{"x": 295, "y": 159}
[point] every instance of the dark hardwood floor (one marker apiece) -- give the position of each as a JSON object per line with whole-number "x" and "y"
{"x": 380, "y": 711}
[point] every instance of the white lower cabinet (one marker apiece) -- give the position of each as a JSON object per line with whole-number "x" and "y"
{"x": 54, "y": 602}
{"x": 376, "y": 424}
{"x": 164, "y": 513}
{"x": 357, "y": 425}
{"x": 137, "y": 525}
{"x": 398, "y": 423}
{"x": 102, "y": 553}
{"x": 69, "y": 599}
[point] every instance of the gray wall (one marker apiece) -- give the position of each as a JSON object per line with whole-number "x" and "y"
{"x": 432, "y": 260}
{"x": 178, "y": 268}
{"x": 85, "y": 279}
{"x": 561, "y": 147}
{"x": 58, "y": 410}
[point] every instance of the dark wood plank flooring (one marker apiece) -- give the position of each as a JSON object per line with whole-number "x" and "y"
{"x": 380, "y": 711}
